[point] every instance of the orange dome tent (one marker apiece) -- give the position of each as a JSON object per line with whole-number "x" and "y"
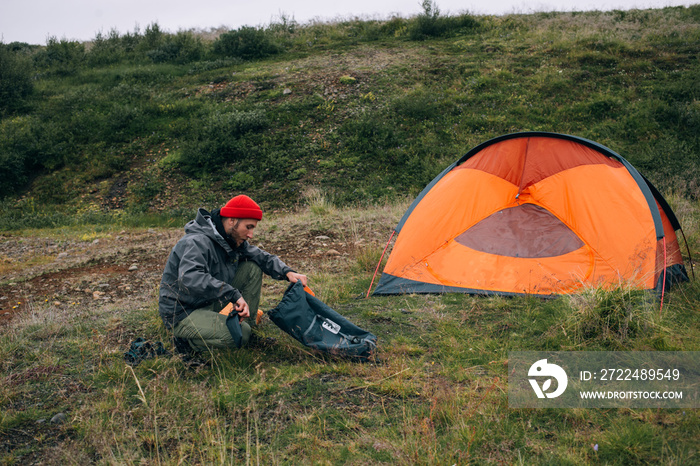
{"x": 538, "y": 214}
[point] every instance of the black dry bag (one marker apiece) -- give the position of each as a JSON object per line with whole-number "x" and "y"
{"x": 311, "y": 322}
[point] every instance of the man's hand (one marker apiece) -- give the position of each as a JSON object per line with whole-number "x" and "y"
{"x": 241, "y": 307}
{"x": 294, "y": 277}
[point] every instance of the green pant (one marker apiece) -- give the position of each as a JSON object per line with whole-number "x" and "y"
{"x": 205, "y": 328}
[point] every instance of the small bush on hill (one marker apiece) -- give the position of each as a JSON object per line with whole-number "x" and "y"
{"x": 28, "y": 145}
{"x": 106, "y": 50}
{"x": 247, "y": 43}
{"x": 431, "y": 23}
{"x": 153, "y": 37}
{"x": 63, "y": 57}
{"x": 15, "y": 80}
{"x": 221, "y": 141}
{"x": 152, "y": 46}
{"x": 12, "y": 172}
{"x": 123, "y": 123}
{"x": 182, "y": 47}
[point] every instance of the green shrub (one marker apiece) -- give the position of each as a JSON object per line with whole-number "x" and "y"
{"x": 22, "y": 48}
{"x": 123, "y": 123}
{"x": 153, "y": 46}
{"x": 126, "y": 91}
{"x": 394, "y": 27}
{"x": 182, "y": 47}
{"x": 363, "y": 30}
{"x": 153, "y": 38}
{"x": 239, "y": 181}
{"x": 221, "y": 141}
{"x": 28, "y": 144}
{"x": 431, "y": 24}
{"x": 143, "y": 190}
{"x": 63, "y": 57}
{"x": 115, "y": 48}
{"x": 106, "y": 50}
{"x": 15, "y": 80}
{"x": 247, "y": 43}
{"x": 427, "y": 23}
{"x": 13, "y": 173}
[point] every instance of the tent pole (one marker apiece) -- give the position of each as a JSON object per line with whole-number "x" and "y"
{"x": 380, "y": 263}
{"x": 663, "y": 283}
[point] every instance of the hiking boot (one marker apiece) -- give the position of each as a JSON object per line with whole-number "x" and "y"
{"x": 182, "y": 346}
{"x": 188, "y": 355}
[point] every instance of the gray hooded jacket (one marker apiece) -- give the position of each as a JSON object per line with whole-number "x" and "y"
{"x": 201, "y": 267}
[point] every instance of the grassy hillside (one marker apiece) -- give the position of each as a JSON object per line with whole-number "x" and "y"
{"x": 361, "y": 110}
{"x": 436, "y": 394}
{"x": 107, "y": 148}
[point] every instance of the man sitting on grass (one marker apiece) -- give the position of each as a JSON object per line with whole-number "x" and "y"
{"x": 213, "y": 269}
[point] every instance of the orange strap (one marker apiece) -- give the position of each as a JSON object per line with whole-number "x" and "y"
{"x": 227, "y": 309}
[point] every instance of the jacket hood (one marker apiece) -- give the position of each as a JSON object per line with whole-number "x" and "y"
{"x": 203, "y": 225}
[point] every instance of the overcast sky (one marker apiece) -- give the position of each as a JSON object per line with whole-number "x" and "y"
{"x": 33, "y": 21}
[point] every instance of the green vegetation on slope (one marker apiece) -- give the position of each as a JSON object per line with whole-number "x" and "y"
{"x": 363, "y": 110}
{"x": 141, "y": 128}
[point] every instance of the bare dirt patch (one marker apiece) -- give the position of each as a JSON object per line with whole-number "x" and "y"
{"x": 68, "y": 272}
{"x": 121, "y": 267}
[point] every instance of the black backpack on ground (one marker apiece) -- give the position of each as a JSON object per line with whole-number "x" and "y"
{"x": 311, "y": 322}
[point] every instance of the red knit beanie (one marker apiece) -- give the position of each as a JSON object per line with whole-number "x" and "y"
{"x": 242, "y": 206}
